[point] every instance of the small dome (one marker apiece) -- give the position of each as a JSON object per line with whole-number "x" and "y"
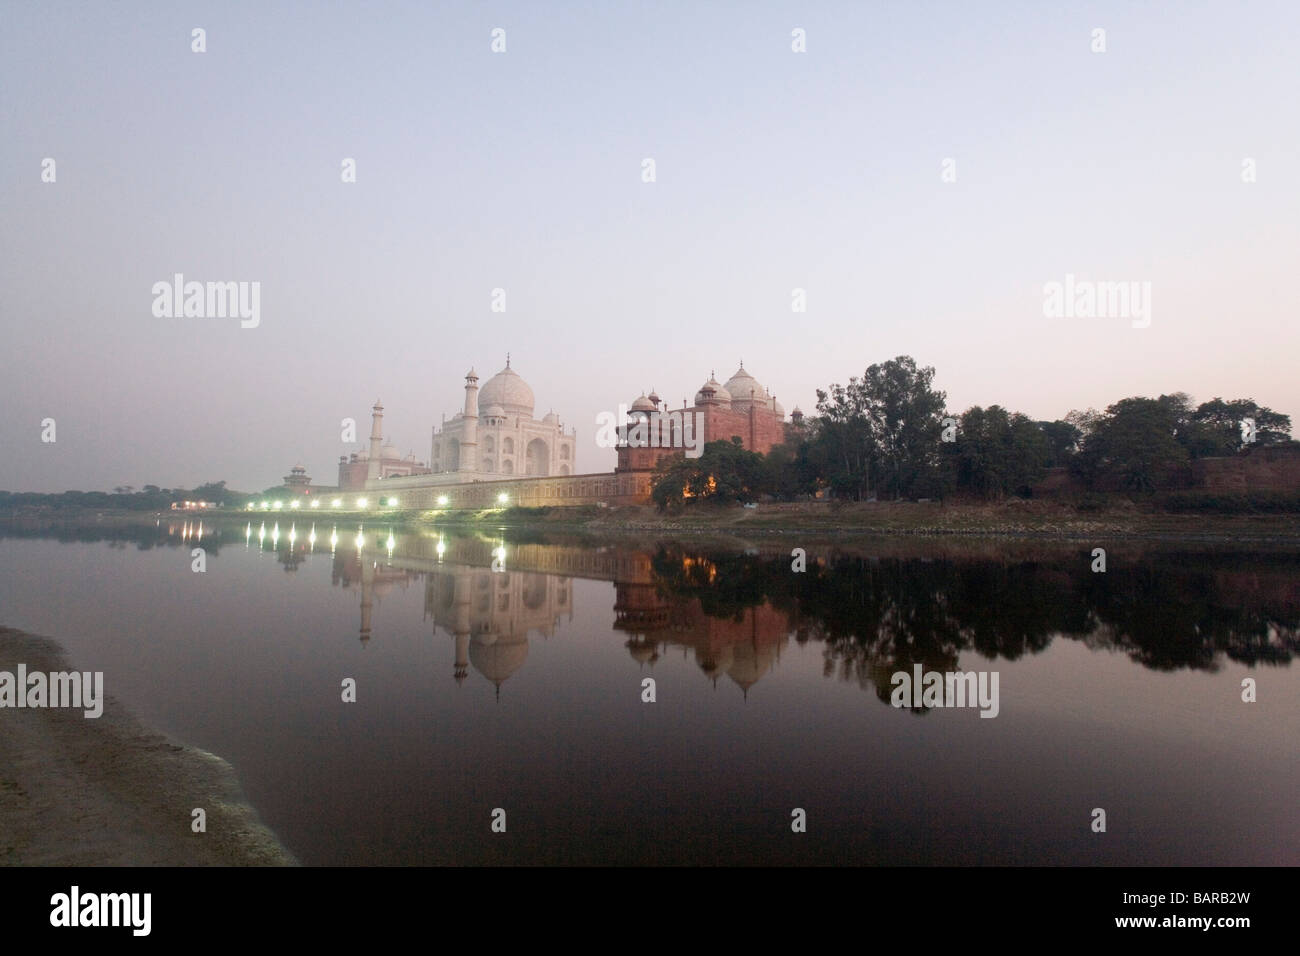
{"x": 643, "y": 404}
{"x": 654, "y": 398}
{"x": 390, "y": 451}
{"x": 551, "y": 418}
{"x": 494, "y": 411}
{"x": 508, "y": 390}
{"x": 720, "y": 394}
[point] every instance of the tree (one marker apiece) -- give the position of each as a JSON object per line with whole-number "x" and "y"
{"x": 1062, "y": 439}
{"x": 880, "y": 432}
{"x": 998, "y": 453}
{"x": 724, "y": 473}
{"x": 1135, "y": 444}
{"x": 1220, "y": 425}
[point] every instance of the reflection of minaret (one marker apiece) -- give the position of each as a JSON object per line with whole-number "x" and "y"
{"x": 376, "y": 440}
{"x": 460, "y": 624}
{"x": 367, "y": 597}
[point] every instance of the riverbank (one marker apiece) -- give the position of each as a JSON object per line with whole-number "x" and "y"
{"x": 1115, "y": 518}
{"x": 109, "y": 792}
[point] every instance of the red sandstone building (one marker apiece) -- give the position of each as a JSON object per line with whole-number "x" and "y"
{"x": 741, "y": 409}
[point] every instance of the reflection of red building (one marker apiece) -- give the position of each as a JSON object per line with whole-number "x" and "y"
{"x": 743, "y": 648}
{"x": 742, "y": 408}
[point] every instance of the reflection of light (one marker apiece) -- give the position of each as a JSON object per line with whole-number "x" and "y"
{"x": 293, "y": 534}
{"x": 361, "y": 502}
{"x": 315, "y": 502}
{"x": 248, "y": 532}
{"x": 361, "y": 540}
{"x": 334, "y": 538}
{"x": 261, "y": 532}
{"x": 499, "y": 553}
{"x": 442, "y": 547}
{"x": 391, "y": 542}
{"x": 392, "y": 502}
{"x": 442, "y": 499}
{"x": 251, "y": 506}
{"x": 336, "y": 503}
{"x": 200, "y": 538}
{"x": 278, "y": 505}
{"x": 311, "y": 538}
{"x": 275, "y": 534}
{"x": 295, "y": 503}
{"x": 503, "y": 497}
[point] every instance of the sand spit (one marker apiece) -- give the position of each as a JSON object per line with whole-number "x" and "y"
{"x": 110, "y": 792}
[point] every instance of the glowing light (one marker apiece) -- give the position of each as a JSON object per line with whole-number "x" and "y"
{"x": 503, "y": 497}
{"x": 362, "y": 502}
{"x": 441, "y": 548}
{"x": 336, "y": 503}
{"x": 295, "y": 504}
{"x": 442, "y": 500}
{"x": 278, "y": 505}
{"x": 392, "y": 502}
{"x": 251, "y": 506}
{"x": 315, "y": 502}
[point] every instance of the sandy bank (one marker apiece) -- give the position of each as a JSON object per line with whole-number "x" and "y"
{"x": 110, "y": 792}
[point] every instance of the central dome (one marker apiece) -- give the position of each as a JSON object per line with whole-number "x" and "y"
{"x": 508, "y": 390}
{"x": 744, "y": 387}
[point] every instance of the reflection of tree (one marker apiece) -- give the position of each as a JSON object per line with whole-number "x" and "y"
{"x": 145, "y": 536}
{"x": 878, "y": 616}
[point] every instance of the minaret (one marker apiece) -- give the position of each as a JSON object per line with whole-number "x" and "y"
{"x": 469, "y": 434}
{"x": 376, "y": 440}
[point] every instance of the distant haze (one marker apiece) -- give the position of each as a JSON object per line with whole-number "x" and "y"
{"x": 522, "y": 170}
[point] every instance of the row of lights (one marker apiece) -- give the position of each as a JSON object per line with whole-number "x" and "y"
{"x": 502, "y": 498}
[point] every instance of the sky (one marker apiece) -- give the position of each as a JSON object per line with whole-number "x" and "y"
{"x": 523, "y": 170}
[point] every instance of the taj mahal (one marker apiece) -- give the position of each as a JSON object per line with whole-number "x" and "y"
{"x": 495, "y": 450}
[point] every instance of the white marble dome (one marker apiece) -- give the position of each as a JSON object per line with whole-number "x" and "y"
{"x": 508, "y": 390}
{"x": 744, "y": 387}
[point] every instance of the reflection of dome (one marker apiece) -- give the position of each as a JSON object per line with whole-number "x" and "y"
{"x": 720, "y": 394}
{"x": 508, "y": 390}
{"x": 497, "y": 658}
{"x": 742, "y": 384}
{"x": 642, "y": 653}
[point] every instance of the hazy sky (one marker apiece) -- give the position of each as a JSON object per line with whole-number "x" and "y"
{"x": 522, "y": 170}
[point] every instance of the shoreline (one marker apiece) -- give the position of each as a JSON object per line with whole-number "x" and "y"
{"x": 109, "y": 791}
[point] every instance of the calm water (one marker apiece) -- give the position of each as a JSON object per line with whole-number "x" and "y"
{"x": 520, "y": 688}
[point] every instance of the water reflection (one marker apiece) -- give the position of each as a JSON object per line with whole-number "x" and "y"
{"x": 734, "y": 612}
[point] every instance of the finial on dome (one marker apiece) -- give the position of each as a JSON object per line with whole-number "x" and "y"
{"x": 507, "y": 360}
